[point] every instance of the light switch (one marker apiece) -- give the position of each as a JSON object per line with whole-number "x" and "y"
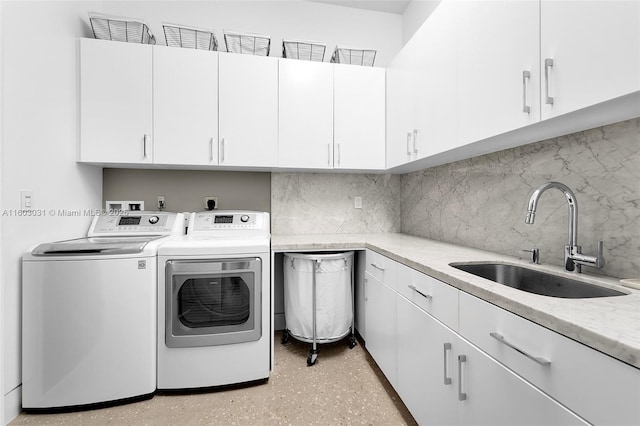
{"x": 26, "y": 199}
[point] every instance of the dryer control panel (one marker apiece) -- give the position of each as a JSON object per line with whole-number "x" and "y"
{"x": 135, "y": 223}
{"x": 228, "y": 220}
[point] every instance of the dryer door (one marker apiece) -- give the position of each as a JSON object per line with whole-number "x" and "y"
{"x": 213, "y": 302}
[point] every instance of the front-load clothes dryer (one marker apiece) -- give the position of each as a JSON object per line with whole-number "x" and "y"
{"x": 214, "y": 302}
{"x": 89, "y": 312}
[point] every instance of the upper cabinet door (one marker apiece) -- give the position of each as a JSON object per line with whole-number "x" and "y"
{"x": 115, "y": 102}
{"x": 436, "y": 122}
{"x": 185, "y": 106}
{"x": 498, "y": 67}
{"x": 306, "y": 114}
{"x": 359, "y": 117}
{"x": 248, "y": 110}
{"x": 590, "y": 53}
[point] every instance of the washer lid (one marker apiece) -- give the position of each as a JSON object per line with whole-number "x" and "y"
{"x": 94, "y": 246}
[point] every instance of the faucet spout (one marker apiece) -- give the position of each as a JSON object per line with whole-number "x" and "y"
{"x": 571, "y": 201}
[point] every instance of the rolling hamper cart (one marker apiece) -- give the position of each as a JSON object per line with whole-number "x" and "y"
{"x": 318, "y": 299}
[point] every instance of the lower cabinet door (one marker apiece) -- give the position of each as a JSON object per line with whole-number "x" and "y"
{"x": 427, "y": 377}
{"x": 381, "y": 322}
{"x": 490, "y": 394}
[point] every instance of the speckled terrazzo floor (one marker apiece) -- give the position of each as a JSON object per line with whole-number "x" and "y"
{"x": 344, "y": 387}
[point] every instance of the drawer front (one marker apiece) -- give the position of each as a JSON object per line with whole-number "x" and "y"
{"x": 382, "y": 268}
{"x": 433, "y": 296}
{"x": 597, "y": 387}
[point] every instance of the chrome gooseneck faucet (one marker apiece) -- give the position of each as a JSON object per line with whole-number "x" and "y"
{"x": 573, "y": 258}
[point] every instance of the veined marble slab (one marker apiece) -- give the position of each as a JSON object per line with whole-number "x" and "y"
{"x": 610, "y": 325}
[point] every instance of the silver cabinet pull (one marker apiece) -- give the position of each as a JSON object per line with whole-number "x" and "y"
{"x": 338, "y": 153}
{"x": 526, "y": 76}
{"x": 380, "y": 268}
{"x": 548, "y": 64}
{"x": 447, "y": 348}
{"x": 462, "y": 359}
{"x": 414, "y": 288}
{"x": 329, "y": 154}
{"x": 415, "y": 139}
{"x": 409, "y": 144}
{"x": 222, "y": 151}
{"x": 364, "y": 288}
{"x": 211, "y": 142}
{"x": 502, "y": 340}
{"x": 144, "y": 145}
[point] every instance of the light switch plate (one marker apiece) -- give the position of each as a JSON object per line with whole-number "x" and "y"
{"x": 357, "y": 202}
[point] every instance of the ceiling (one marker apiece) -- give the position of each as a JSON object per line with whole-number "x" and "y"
{"x": 390, "y": 6}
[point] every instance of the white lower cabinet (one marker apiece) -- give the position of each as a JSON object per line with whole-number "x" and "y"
{"x": 381, "y": 320}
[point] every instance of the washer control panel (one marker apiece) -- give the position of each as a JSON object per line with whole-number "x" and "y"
{"x": 227, "y": 220}
{"x": 134, "y": 223}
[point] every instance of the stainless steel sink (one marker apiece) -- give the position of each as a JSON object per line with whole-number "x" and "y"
{"x": 537, "y": 282}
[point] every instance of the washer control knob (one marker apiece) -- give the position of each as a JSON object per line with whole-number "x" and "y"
{"x": 153, "y": 220}
{"x": 244, "y": 218}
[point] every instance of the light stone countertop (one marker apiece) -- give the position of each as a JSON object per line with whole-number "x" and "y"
{"x": 610, "y": 325}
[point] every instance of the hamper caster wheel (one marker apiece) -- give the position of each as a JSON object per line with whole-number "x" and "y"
{"x": 313, "y": 356}
{"x": 285, "y": 337}
{"x": 352, "y": 342}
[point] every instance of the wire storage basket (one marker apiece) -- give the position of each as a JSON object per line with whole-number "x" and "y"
{"x": 252, "y": 44}
{"x": 305, "y": 50}
{"x": 189, "y": 37}
{"x": 347, "y": 55}
{"x": 107, "y": 27}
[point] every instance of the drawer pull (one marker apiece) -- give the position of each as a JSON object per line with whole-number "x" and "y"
{"x": 414, "y": 288}
{"x": 502, "y": 340}
{"x": 462, "y": 359}
{"x": 447, "y": 348}
{"x": 379, "y": 268}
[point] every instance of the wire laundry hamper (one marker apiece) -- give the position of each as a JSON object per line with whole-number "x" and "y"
{"x": 319, "y": 298}
{"x": 189, "y": 37}
{"x": 252, "y": 44}
{"x": 108, "y": 27}
{"x": 347, "y": 55}
{"x": 306, "y": 50}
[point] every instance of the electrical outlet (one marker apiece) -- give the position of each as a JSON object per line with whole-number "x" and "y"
{"x": 161, "y": 202}
{"x": 207, "y": 200}
{"x": 357, "y": 202}
{"x": 26, "y": 199}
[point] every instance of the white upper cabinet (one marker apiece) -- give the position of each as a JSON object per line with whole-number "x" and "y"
{"x": 359, "y": 117}
{"x": 185, "y": 106}
{"x": 590, "y": 53}
{"x": 421, "y": 91}
{"x": 115, "y": 102}
{"x": 248, "y": 110}
{"x": 498, "y": 63}
{"x": 306, "y": 114}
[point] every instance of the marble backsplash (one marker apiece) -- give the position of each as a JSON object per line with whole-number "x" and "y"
{"x": 319, "y": 203}
{"x": 481, "y": 202}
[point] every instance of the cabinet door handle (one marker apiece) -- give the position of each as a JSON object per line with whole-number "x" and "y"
{"x": 415, "y": 139}
{"x": 502, "y": 340}
{"x": 364, "y": 290}
{"x": 380, "y": 268}
{"x": 338, "y": 153}
{"x": 548, "y": 64}
{"x": 526, "y": 76}
{"x": 447, "y": 348}
{"x": 144, "y": 145}
{"x": 409, "y": 144}
{"x": 414, "y": 288}
{"x": 211, "y": 142}
{"x": 462, "y": 359}
{"x": 329, "y": 154}
{"x": 222, "y": 151}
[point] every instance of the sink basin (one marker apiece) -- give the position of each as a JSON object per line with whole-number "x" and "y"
{"x": 536, "y": 282}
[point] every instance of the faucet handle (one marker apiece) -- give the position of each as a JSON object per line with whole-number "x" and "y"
{"x": 535, "y": 255}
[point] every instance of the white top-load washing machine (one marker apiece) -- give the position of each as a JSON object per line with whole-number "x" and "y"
{"x": 89, "y": 312}
{"x": 214, "y": 302}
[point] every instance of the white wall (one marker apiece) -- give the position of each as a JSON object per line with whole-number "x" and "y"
{"x": 414, "y": 16}
{"x": 334, "y": 25}
{"x": 39, "y": 139}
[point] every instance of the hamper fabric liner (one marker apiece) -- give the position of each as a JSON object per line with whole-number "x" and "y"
{"x": 334, "y": 298}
